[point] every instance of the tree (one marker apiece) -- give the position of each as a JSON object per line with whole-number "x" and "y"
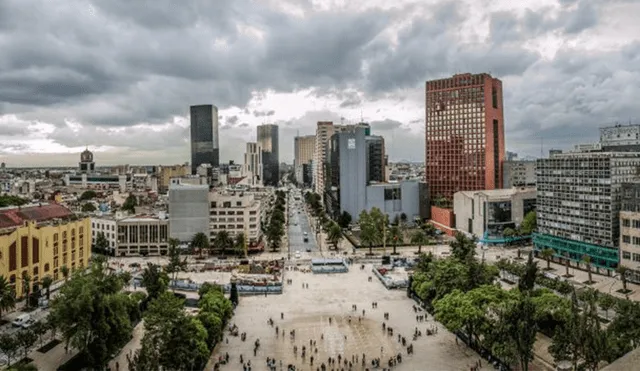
{"x": 509, "y": 232}
{"x": 419, "y": 238}
{"x": 26, "y": 287}
{"x": 240, "y": 244}
{"x": 7, "y": 296}
{"x": 547, "y": 254}
{"x": 223, "y": 241}
{"x": 528, "y": 278}
{"x": 87, "y": 195}
{"x": 394, "y": 236}
{"x": 606, "y": 303}
{"x": 624, "y": 329}
{"x": 622, "y": 271}
{"x": 26, "y": 339}
{"x": 403, "y": 218}
{"x": 344, "y": 220}
{"x": 65, "y": 272}
{"x": 176, "y": 264}
{"x": 200, "y": 241}
{"x": 207, "y": 287}
{"x": 154, "y": 280}
{"x": 517, "y": 328}
{"x": 9, "y": 346}
{"x": 233, "y": 294}
{"x": 334, "y": 234}
{"x": 462, "y": 247}
{"x": 566, "y": 265}
{"x": 88, "y": 207}
{"x": 102, "y": 245}
{"x": 93, "y": 315}
{"x": 529, "y": 223}
{"x": 587, "y": 260}
{"x": 429, "y": 229}
{"x": 369, "y": 234}
{"x": 130, "y": 203}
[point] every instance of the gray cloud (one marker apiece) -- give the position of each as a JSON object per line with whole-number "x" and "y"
{"x": 385, "y": 125}
{"x": 264, "y": 113}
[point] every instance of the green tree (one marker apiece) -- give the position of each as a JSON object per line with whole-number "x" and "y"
{"x": 9, "y": 346}
{"x": 344, "y": 220}
{"x": 547, "y": 254}
{"x": 334, "y": 234}
{"x": 92, "y": 314}
{"x": 233, "y": 294}
{"x": 606, "y": 303}
{"x": 26, "y": 287}
{"x": 47, "y": 281}
{"x": 509, "y": 233}
{"x": 624, "y": 329}
{"x": 26, "y": 339}
{"x": 517, "y": 329}
{"x": 102, "y": 244}
{"x": 369, "y": 234}
{"x": 8, "y": 200}
{"x": 176, "y": 263}
{"x": 528, "y": 277}
{"x": 429, "y": 229}
{"x": 65, "y": 272}
{"x": 587, "y": 261}
{"x": 207, "y": 287}
{"x": 529, "y": 223}
{"x": 462, "y": 247}
{"x": 394, "y": 236}
{"x": 87, "y": 195}
{"x": 88, "y": 207}
{"x": 622, "y": 271}
{"x": 130, "y": 203}
{"x": 223, "y": 241}
{"x": 275, "y": 231}
{"x": 7, "y": 296}
{"x": 240, "y": 244}
{"x": 154, "y": 280}
{"x": 419, "y": 238}
{"x": 200, "y": 241}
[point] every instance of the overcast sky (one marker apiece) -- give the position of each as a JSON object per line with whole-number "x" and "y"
{"x": 119, "y": 75}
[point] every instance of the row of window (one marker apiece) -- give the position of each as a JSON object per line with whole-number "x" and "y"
{"x": 627, "y": 255}
{"x": 631, "y": 222}
{"x": 629, "y": 239}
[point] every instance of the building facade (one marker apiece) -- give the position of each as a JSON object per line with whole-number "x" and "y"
{"x": 165, "y": 174}
{"x": 108, "y": 226}
{"x": 253, "y": 163}
{"x": 630, "y": 231}
{"x": 205, "y": 147}
{"x": 519, "y": 173}
{"x": 324, "y": 132}
{"x": 410, "y": 198}
{"x": 143, "y": 235}
{"x": 188, "y": 211}
{"x": 268, "y": 140}
{"x": 620, "y": 138}
{"x": 237, "y": 213}
{"x": 376, "y": 158}
{"x": 464, "y": 134}
{"x": 39, "y": 241}
{"x": 486, "y": 214}
{"x": 578, "y": 204}
{"x": 304, "y": 148}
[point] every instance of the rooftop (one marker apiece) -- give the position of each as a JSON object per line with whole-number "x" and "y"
{"x": 16, "y": 216}
{"x": 508, "y": 192}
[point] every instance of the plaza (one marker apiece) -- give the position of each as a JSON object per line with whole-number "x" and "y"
{"x": 308, "y": 310}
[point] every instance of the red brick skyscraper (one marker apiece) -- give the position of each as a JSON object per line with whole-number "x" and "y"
{"x": 464, "y": 134}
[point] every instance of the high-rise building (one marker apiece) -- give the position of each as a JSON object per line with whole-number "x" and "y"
{"x": 204, "y": 136}
{"x": 324, "y": 131}
{"x": 188, "y": 211}
{"x": 253, "y": 163}
{"x": 464, "y": 134}
{"x": 165, "y": 173}
{"x": 519, "y": 173}
{"x": 268, "y": 141}
{"x": 376, "y": 158}
{"x": 578, "y": 204}
{"x": 620, "y": 138}
{"x": 630, "y": 231}
{"x": 304, "y": 148}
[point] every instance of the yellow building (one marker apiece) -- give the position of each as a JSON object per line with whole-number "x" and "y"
{"x": 40, "y": 240}
{"x": 168, "y": 172}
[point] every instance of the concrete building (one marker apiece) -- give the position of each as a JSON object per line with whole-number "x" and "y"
{"x": 39, "y": 240}
{"x": 488, "y": 213}
{"x": 324, "y": 132}
{"x": 188, "y": 211}
{"x": 106, "y": 225}
{"x": 620, "y": 138}
{"x": 236, "y": 213}
{"x": 269, "y": 142}
{"x": 87, "y": 177}
{"x": 205, "y": 147}
{"x": 630, "y": 230}
{"x": 165, "y": 174}
{"x": 253, "y": 163}
{"x": 304, "y": 148}
{"x": 464, "y": 134}
{"x": 410, "y": 198}
{"x": 519, "y": 173}
{"x": 143, "y": 235}
{"x": 578, "y": 204}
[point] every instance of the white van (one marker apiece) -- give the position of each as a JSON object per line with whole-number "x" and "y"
{"x": 21, "y": 320}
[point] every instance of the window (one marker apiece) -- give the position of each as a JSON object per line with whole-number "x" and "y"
{"x": 626, "y": 255}
{"x": 636, "y": 240}
{"x": 238, "y": 203}
{"x": 636, "y": 257}
{"x": 636, "y": 223}
{"x": 626, "y": 223}
{"x": 626, "y": 239}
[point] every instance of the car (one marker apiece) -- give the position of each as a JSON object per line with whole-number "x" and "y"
{"x": 21, "y": 319}
{"x": 30, "y": 322}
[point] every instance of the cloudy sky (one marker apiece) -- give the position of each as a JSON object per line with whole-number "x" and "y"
{"x": 119, "y": 75}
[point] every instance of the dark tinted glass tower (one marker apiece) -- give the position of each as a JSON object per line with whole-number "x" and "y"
{"x": 204, "y": 136}
{"x": 268, "y": 140}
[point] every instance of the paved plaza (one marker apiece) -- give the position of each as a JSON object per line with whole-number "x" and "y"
{"x": 307, "y": 311}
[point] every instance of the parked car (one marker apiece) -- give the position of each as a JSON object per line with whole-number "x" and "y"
{"x": 30, "y": 322}
{"x": 21, "y": 320}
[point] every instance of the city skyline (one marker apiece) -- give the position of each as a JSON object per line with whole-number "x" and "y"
{"x": 567, "y": 68}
